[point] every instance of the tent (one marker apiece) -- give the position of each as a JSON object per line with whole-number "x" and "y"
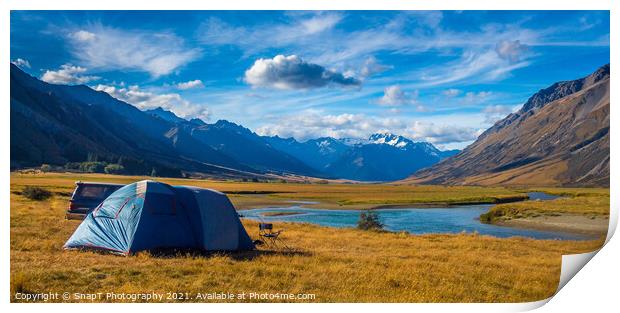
{"x": 147, "y": 215}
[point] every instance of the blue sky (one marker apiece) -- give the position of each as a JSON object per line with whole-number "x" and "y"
{"x": 437, "y": 76}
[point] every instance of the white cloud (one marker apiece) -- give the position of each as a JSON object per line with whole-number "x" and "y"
{"x": 145, "y": 100}
{"x": 494, "y": 113}
{"x": 476, "y": 97}
{"x": 301, "y": 29}
{"x": 471, "y": 67}
{"x": 21, "y": 62}
{"x": 319, "y": 23}
{"x": 313, "y": 124}
{"x": 441, "y": 134}
{"x": 291, "y": 72}
{"x": 450, "y": 93}
{"x": 371, "y": 66}
{"x": 488, "y": 54}
{"x": 197, "y": 83}
{"x": 511, "y": 50}
{"x": 68, "y": 74}
{"x": 394, "y": 96}
{"x": 109, "y": 48}
{"x": 82, "y": 35}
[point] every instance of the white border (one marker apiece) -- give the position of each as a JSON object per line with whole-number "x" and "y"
{"x": 592, "y": 288}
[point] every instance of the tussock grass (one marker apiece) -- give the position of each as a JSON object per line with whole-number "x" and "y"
{"x": 592, "y": 202}
{"x": 341, "y": 196}
{"x": 337, "y": 265}
{"x": 36, "y": 193}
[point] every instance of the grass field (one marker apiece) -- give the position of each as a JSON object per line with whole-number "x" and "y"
{"x": 336, "y": 265}
{"x": 590, "y": 202}
{"x": 342, "y": 196}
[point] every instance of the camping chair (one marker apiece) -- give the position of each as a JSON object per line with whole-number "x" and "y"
{"x": 270, "y": 238}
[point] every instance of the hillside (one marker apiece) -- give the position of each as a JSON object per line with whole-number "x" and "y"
{"x": 559, "y": 137}
{"x": 65, "y": 125}
{"x": 58, "y": 124}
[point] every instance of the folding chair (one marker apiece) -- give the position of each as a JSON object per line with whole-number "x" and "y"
{"x": 271, "y": 238}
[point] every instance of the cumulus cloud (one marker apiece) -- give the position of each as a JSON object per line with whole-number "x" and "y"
{"x": 21, "y": 62}
{"x": 145, "y": 100}
{"x": 313, "y": 124}
{"x": 68, "y": 74}
{"x": 441, "y": 134}
{"x": 114, "y": 49}
{"x": 197, "y": 83}
{"x": 394, "y": 95}
{"x": 510, "y": 50}
{"x": 291, "y": 72}
{"x": 494, "y": 113}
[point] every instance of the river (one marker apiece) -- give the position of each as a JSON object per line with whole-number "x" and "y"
{"x": 448, "y": 219}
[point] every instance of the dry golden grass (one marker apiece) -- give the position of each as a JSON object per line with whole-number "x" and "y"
{"x": 590, "y": 202}
{"x": 337, "y": 265}
{"x": 251, "y": 195}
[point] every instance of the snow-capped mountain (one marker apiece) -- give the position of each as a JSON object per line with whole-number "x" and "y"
{"x": 381, "y": 157}
{"x": 389, "y": 139}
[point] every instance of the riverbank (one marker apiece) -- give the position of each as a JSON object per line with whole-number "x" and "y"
{"x": 250, "y": 195}
{"x": 578, "y": 224}
{"x": 333, "y": 264}
{"x": 578, "y": 210}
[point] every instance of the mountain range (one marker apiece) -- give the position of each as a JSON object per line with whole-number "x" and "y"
{"x": 560, "y": 136}
{"x": 381, "y": 157}
{"x": 58, "y": 124}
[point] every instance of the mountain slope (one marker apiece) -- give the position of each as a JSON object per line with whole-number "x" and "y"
{"x": 57, "y": 124}
{"x": 559, "y": 137}
{"x": 248, "y": 148}
{"x": 317, "y": 153}
{"x": 384, "y": 157}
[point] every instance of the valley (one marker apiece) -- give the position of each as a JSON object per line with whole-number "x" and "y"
{"x": 325, "y": 259}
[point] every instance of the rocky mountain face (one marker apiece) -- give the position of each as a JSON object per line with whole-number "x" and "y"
{"x": 559, "y": 137}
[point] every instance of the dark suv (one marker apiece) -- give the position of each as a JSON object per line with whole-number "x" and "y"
{"x": 88, "y": 196}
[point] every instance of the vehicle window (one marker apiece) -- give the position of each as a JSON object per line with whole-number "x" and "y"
{"x": 95, "y": 192}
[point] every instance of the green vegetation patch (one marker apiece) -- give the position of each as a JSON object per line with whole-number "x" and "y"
{"x": 36, "y": 193}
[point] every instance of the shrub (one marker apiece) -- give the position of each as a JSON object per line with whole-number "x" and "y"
{"x": 92, "y": 167}
{"x": 36, "y": 193}
{"x": 369, "y": 221}
{"x": 114, "y": 169}
{"x": 46, "y": 168}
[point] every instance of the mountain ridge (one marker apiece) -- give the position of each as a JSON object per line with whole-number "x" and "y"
{"x": 559, "y": 137}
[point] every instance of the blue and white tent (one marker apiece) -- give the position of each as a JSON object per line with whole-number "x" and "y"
{"x": 147, "y": 215}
